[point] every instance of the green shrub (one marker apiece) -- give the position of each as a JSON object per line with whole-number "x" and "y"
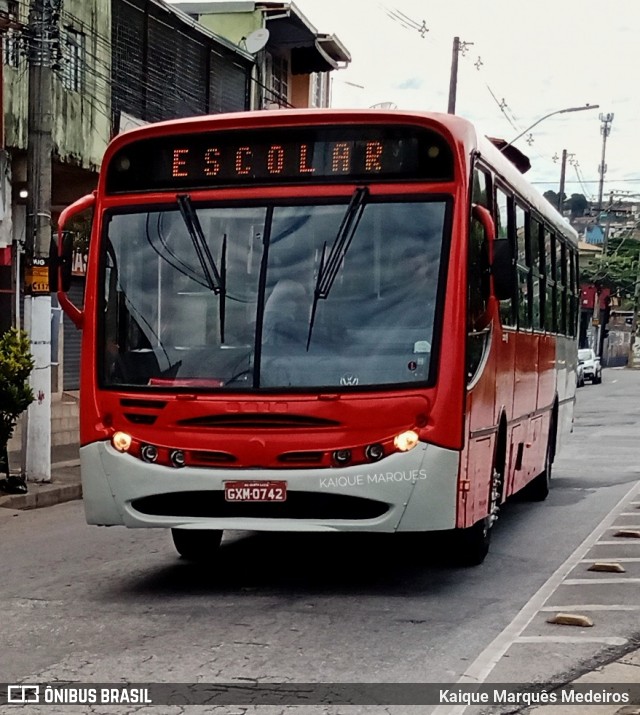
{"x": 16, "y": 395}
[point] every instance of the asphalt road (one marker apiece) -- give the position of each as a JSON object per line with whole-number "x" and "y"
{"x": 105, "y": 605}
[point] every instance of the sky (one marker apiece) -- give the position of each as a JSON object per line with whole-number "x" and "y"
{"x": 523, "y": 60}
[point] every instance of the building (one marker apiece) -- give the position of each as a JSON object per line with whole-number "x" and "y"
{"x": 117, "y": 64}
{"x": 293, "y": 61}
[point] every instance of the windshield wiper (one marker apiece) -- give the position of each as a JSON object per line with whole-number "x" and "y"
{"x": 328, "y": 270}
{"x": 216, "y": 279}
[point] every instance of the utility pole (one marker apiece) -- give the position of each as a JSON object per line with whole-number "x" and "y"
{"x": 633, "y": 362}
{"x": 42, "y": 34}
{"x": 453, "y": 79}
{"x": 605, "y": 130}
{"x": 607, "y": 228}
{"x": 458, "y": 47}
{"x": 563, "y": 172}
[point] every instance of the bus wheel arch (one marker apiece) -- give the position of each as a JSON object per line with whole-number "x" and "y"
{"x": 538, "y": 488}
{"x": 471, "y": 544}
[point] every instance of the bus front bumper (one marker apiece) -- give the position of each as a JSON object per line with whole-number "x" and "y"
{"x": 412, "y": 491}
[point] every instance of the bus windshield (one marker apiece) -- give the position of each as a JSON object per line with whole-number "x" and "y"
{"x": 231, "y": 297}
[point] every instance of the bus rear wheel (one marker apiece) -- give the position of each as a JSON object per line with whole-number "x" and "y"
{"x": 196, "y": 544}
{"x": 472, "y": 544}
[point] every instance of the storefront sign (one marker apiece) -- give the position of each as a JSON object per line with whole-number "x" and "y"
{"x": 36, "y": 279}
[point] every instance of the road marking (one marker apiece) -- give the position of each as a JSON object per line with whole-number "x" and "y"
{"x": 482, "y": 666}
{"x": 626, "y": 559}
{"x": 624, "y": 526}
{"x": 611, "y": 640}
{"x": 618, "y": 542}
{"x": 591, "y": 607}
{"x": 587, "y": 581}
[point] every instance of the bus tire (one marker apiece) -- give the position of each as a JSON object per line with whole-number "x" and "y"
{"x": 472, "y": 544}
{"x": 196, "y": 544}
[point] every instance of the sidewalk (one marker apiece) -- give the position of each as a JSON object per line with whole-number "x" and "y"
{"x": 64, "y": 485}
{"x": 624, "y": 671}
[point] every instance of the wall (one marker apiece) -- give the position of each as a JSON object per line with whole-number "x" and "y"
{"x": 232, "y": 26}
{"x": 81, "y": 119}
{"x": 299, "y": 96}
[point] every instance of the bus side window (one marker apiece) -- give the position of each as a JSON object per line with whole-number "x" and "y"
{"x": 481, "y": 193}
{"x": 503, "y": 215}
{"x": 561, "y": 286}
{"x": 537, "y": 247}
{"x": 523, "y": 268}
{"x": 549, "y": 282}
{"x": 477, "y": 296}
{"x": 573, "y": 294}
{"x": 479, "y": 269}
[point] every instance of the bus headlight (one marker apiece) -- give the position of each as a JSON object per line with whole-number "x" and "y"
{"x": 149, "y": 453}
{"x": 374, "y": 452}
{"x": 177, "y": 458}
{"x": 342, "y": 457}
{"x": 121, "y": 441}
{"x": 406, "y": 440}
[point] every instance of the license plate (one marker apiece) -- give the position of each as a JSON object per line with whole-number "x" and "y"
{"x": 255, "y": 491}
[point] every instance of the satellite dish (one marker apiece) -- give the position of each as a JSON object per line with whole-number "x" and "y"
{"x": 384, "y": 105}
{"x": 256, "y": 40}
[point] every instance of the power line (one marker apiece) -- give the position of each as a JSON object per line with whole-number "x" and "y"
{"x": 593, "y": 181}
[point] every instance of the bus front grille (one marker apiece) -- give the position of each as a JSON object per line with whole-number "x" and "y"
{"x": 299, "y": 505}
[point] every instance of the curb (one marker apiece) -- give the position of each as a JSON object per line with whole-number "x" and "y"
{"x": 43, "y": 494}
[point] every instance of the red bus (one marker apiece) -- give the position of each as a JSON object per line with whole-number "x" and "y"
{"x": 319, "y": 321}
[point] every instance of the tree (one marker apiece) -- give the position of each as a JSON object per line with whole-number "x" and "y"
{"x": 16, "y": 364}
{"x": 578, "y": 204}
{"x": 552, "y": 197}
{"x": 618, "y": 269}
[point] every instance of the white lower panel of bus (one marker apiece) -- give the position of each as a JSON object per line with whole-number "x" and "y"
{"x": 412, "y": 491}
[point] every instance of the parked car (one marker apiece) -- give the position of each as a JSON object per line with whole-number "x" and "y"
{"x": 590, "y": 365}
{"x": 580, "y": 375}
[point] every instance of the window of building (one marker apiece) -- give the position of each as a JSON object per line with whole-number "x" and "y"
{"x": 319, "y": 90}
{"x": 74, "y": 60}
{"x": 11, "y": 49}
{"x": 279, "y": 79}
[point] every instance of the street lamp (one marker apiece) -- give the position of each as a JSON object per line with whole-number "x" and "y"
{"x": 546, "y": 116}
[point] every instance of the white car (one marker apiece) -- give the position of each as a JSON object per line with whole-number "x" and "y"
{"x": 591, "y": 368}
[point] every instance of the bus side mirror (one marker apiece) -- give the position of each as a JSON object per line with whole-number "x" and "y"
{"x": 64, "y": 252}
{"x": 501, "y": 258}
{"x": 502, "y": 269}
{"x": 66, "y": 255}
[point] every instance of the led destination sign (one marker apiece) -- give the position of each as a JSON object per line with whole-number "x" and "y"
{"x": 311, "y": 154}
